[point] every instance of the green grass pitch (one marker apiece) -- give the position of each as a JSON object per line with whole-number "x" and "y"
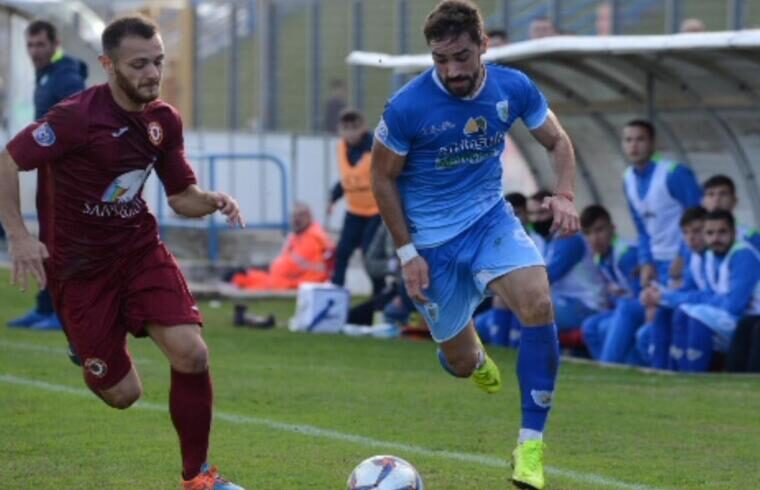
{"x": 297, "y": 412}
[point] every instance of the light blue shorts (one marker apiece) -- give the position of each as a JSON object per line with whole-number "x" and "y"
{"x": 462, "y": 268}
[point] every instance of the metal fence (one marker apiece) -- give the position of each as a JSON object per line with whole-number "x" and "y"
{"x": 280, "y": 64}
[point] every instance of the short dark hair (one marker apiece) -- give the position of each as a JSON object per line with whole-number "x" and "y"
{"x": 452, "y": 18}
{"x": 541, "y": 194}
{"x": 133, "y": 25}
{"x": 722, "y": 215}
{"x": 642, "y": 123}
{"x": 350, "y": 116}
{"x": 720, "y": 180}
{"x": 697, "y": 213}
{"x": 592, "y": 214}
{"x": 517, "y": 200}
{"x": 40, "y": 25}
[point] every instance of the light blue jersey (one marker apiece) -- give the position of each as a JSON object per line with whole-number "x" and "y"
{"x": 452, "y": 145}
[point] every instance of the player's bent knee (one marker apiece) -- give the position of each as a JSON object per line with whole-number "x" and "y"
{"x": 121, "y": 398}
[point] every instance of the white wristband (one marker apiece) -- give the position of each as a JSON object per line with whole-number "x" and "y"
{"x": 406, "y": 253}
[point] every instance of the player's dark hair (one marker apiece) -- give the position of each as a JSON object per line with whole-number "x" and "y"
{"x": 541, "y": 195}
{"x": 350, "y": 116}
{"x": 451, "y": 18}
{"x": 697, "y": 213}
{"x": 131, "y": 26}
{"x": 40, "y": 25}
{"x": 720, "y": 180}
{"x": 722, "y": 215}
{"x": 517, "y": 200}
{"x": 642, "y": 123}
{"x": 594, "y": 213}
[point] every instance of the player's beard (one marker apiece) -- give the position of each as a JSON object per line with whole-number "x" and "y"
{"x": 463, "y": 90}
{"x": 131, "y": 91}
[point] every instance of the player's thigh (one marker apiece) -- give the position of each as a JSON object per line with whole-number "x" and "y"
{"x": 526, "y": 291}
{"x": 95, "y": 328}
{"x": 183, "y": 345}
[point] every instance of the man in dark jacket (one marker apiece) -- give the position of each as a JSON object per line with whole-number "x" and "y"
{"x": 57, "y": 77}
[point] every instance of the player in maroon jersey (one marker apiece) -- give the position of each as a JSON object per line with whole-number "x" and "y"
{"x": 99, "y": 250}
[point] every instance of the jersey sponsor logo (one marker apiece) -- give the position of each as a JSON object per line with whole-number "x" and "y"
{"x": 155, "y": 133}
{"x": 44, "y": 135}
{"x": 126, "y": 186}
{"x": 502, "y": 110}
{"x": 120, "y": 131}
{"x": 476, "y": 126}
{"x": 470, "y": 151}
{"x": 96, "y": 367}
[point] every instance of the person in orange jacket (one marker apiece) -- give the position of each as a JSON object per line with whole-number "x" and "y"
{"x": 306, "y": 256}
{"x": 362, "y": 215}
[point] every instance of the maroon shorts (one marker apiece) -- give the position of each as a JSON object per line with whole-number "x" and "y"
{"x": 98, "y": 312}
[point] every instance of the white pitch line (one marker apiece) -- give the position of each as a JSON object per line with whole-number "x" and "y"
{"x": 46, "y": 349}
{"x": 312, "y": 431}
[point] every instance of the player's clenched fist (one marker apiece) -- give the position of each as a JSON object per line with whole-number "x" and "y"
{"x": 416, "y": 279}
{"x": 27, "y": 254}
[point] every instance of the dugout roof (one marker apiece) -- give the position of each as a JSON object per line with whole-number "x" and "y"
{"x": 702, "y": 91}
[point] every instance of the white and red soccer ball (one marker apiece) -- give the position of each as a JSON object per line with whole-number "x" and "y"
{"x": 385, "y": 473}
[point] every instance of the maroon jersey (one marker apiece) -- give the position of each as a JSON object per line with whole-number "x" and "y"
{"x": 94, "y": 159}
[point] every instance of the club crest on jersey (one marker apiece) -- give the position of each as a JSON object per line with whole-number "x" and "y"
{"x": 155, "y": 133}
{"x": 44, "y": 135}
{"x": 476, "y": 126}
{"x": 502, "y": 109}
{"x": 96, "y": 367}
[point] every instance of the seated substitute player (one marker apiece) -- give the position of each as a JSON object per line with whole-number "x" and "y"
{"x": 437, "y": 180}
{"x": 611, "y": 335}
{"x": 100, "y": 255}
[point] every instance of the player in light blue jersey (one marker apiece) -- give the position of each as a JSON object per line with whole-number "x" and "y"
{"x": 437, "y": 181}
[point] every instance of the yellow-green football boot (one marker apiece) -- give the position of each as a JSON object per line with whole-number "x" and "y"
{"x": 528, "y": 464}
{"x": 487, "y": 377}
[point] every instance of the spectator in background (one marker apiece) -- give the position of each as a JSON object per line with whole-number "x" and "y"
{"x": 611, "y": 335}
{"x": 657, "y": 195}
{"x": 362, "y": 215}
{"x": 336, "y": 103}
{"x": 57, "y": 77}
{"x": 542, "y": 27}
{"x": 497, "y": 37}
{"x": 692, "y": 25}
{"x": 306, "y": 257}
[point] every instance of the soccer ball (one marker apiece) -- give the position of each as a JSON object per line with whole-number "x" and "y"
{"x": 385, "y": 473}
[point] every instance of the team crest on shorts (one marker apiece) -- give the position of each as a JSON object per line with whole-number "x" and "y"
{"x": 44, "y": 135}
{"x": 96, "y": 367}
{"x": 155, "y": 133}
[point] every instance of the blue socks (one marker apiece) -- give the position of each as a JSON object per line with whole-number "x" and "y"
{"x": 699, "y": 347}
{"x": 537, "y": 365}
{"x": 447, "y": 367}
{"x": 661, "y": 334}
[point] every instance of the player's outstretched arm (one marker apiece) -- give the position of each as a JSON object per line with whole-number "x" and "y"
{"x": 27, "y": 253}
{"x": 556, "y": 141}
{"x": 386, "y": 167}
{"x": 196, "y": 203}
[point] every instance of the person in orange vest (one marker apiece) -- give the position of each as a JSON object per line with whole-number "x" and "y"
{"x": 307, "y": 256}
{"x": 362, "y": 215}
